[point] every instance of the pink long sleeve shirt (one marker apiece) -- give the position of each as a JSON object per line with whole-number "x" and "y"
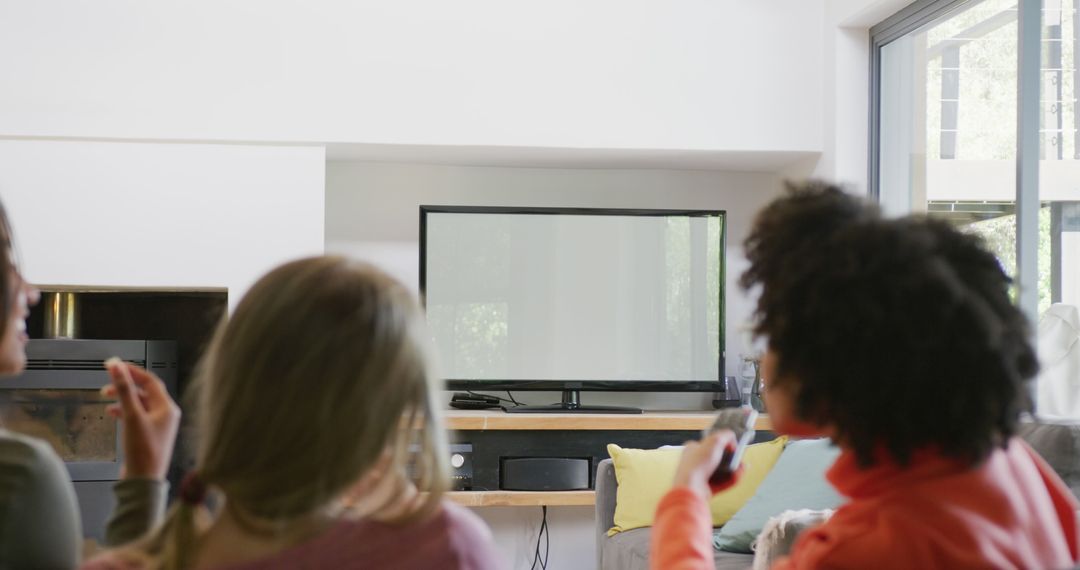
{"x": 453, "y": 539}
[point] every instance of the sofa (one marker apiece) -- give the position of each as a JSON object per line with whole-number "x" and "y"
{"x": 1058, "y": 442}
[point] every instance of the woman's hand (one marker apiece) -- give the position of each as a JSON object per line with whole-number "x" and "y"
{"x": 150, "y": 419}
{"x": 700, "y": 460}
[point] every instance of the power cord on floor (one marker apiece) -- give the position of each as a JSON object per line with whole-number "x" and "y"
{"x": 545, "y": 534}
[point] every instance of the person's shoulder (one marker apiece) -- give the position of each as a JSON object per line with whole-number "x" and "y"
{"x": 848, "y": 539}
{"x": 26, "y": 458}
{"x": 122, "y": 559}
{"x": 470, "y": 538}
{"x": 39, "y": 513}
{"x": 451, "y": 537}
{"x": 462, "y": 519}
{"x": 18, "y": 447}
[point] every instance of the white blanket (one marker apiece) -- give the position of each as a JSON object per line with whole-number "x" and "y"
{"x": 1058, "y": 387}
{"x": 779, "y": 534}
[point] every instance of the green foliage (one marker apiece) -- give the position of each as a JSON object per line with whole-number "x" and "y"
{"x": 999, "y": 235}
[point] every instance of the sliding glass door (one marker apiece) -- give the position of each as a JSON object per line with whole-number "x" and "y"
{"x": 948, "y": 122}
{"x": 1059, "y": 168}
{"x": 975, "y": 119}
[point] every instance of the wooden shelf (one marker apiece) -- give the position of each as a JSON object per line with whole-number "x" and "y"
{"x": 522, "y": 498}
{"x": 491, "y": 420}
{"x": 480, "y": 420}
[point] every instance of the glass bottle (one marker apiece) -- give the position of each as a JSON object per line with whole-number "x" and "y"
{"x": 747, "y": 375}
{"x": 755, "y": 393}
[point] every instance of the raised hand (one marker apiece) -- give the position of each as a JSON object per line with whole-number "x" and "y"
{"x": 149, "y": 416}
{"x": 700, "y": 460}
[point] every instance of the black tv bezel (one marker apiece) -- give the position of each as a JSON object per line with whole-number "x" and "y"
{"x": 587, "y": 385}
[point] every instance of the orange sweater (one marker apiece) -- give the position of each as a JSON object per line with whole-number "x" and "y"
{"x": 1011, "y": 511}
{"x": 682, "y": 533}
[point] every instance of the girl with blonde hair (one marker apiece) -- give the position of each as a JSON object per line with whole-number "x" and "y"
{"x": 319, "y": 436}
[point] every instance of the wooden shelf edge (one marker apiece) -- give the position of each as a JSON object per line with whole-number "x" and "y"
{"x": 522, "y": 498}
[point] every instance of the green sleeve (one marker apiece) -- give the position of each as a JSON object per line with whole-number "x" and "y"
{"x": 140, "y": 506}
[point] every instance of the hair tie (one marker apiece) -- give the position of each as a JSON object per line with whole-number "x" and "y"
{"x": 193, "y": 489}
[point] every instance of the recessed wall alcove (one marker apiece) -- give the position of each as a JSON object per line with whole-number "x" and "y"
{"x": 187, "y": 316}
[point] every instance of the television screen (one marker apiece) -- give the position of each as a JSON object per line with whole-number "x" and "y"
{"x": 574, "y": 295}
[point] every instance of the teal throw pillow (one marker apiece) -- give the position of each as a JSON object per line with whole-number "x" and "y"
{"x": 797, "y": 481}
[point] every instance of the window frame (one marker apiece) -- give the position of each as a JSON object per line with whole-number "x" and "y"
{"x": 924, "y": 12}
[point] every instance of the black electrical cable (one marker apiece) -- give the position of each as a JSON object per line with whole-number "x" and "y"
{"x": 536, "y": 552}
{"x": 516, "y": 403}
{"x": 547, "y": 539}
{"x": 545, "y": 534}
{"x": 501, "y": 399}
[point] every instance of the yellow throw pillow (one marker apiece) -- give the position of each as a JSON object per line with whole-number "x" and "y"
{"x": 646, "y": 475}
{"x": 759, "y": 459}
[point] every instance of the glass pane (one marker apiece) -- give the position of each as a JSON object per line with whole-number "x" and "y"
{"x": 74, "y": 422}
{"x": 948, "y": 123}
{"x": 1059, "y": 184}
{"x": 1059, "y": 219}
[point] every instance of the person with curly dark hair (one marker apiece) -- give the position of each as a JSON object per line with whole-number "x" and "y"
{"x": 896, "y": 338}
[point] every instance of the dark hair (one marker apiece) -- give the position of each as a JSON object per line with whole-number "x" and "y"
{"x": 898, "y": 333}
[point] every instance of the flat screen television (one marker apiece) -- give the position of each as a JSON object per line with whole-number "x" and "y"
{"x": 575, "y": 299}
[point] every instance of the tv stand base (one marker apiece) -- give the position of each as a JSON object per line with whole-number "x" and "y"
{"x": 571, "y": 404}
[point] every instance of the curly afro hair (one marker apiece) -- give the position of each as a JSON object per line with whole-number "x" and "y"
{"x": 898, "y": 333}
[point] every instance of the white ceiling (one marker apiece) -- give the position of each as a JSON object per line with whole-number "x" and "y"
{"x": 598, "y": 158}
{"x": 864, "y": 13}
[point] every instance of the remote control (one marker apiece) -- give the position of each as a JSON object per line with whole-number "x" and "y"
{"x": 741, "y": 422}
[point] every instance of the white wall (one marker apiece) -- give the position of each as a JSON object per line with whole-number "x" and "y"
{"x": 847, "y": 107}
{"x": 150, "y": 215}
{"x": 372, "y": 213}
{"x": 845, "y": 71}
{"x": 572, "y": 536}
{"x": 686, "y": 74}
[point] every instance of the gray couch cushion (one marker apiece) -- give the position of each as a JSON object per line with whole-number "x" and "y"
{"x": 605, "y": 506}
{"x": 1057, "y": 442}
{"x": 629, "y": 550}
